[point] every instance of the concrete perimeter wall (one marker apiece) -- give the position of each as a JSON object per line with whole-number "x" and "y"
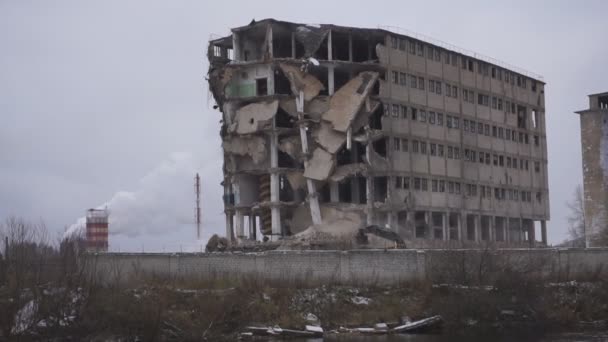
{"x": 355, "y": 267}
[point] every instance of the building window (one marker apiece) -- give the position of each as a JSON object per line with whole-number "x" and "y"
{"x": 414, "y": 114}
{"x": 403, "y": 79}
{"x": 479, "y": 128}
{"x": 455, "y": 91}
{"x": 434, "y": 187}
{"x": 395, "y": 77}
{"x": 423, "y": 147}
{"x": 440, "y": 150}
{"x": 396, "y": 144}
{"x": 395, "y": 110}
{"x": 456, "y": 153}
{"x": 494, "y": 102}
{"x": 394, "y": 42}
{"x": 398, "y": 182}
{"x": 412, "y": 47}
{"x": 536, "y": 167}
{"x": 440, "y": 119}
{"x": 450, "y": 152}
{"x": 499, "y": 104}
{"x": 421, "y": 83}
{"x": 404, "y": 112}
{"x": 415, "y": 146}
{"x": 417, "y": 183}
{"x": 404, "y": 145}
{"x": 431, "y": 86}
{"x": 456, "y": 123}
{"x": 437, "y": 55}
{"x": 422, "y": 115}
{"x": 433, "y": 149}
{"x": 438, "y": 87}
{"x": 406, "y": 183}
{"x": 424, "y": 184}
{"x": 441, "y": 186}
{"x": 402, "y": 44}
{"x": 420, "y": 49}
{"x": 472, "y": 126}
{"x": 413, "y": 81}
{"x": 501, "y": 133}
{"x": 432, "y": 118}
{"x": 536, "y": 140}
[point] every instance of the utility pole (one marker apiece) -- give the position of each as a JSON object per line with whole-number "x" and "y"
{"x": 197, "y": 191}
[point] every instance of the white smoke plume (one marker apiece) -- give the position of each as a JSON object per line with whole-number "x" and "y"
{"x": 163, "y": 201}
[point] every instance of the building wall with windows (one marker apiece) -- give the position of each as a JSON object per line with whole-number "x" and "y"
{"x": 340, "y": 126}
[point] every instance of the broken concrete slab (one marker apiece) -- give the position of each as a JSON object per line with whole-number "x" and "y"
{"x": 329, "y": 139}
{"x": 345, "y": 104}
{"x": 296, "y": 180}
{"x": 255, "y": 117}
{"x": 320, "y": 166}
{"x": 252, "y": 146}
{"x": 301, "y": 81}
{"x": 362, "y": 118}
{"x": 291, "y": 145}
{"x": 218, "y": 79}
{"x": 311, "y": 38}
{"x": 344, "y": 171}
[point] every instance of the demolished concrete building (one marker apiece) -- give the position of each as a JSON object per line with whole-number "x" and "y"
{"x": 340, "y": 128}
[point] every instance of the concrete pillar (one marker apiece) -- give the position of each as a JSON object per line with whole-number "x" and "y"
{"x": 459, "y": 221}
{"x": 329, "y": 47}
{"x": 334, "y": 194}
{"x": 350, "y": 47}
{"x": 369, "y": 193}
{"x": 531, "y": 233}
{"x": 427, "y": 220}
{"x": 543, "y": 231}
{"x": 253, "y": 229}
{"x": 236, "y": 48}
{"x": 229, "y": 227}
{"x": 492, "y": 228}
{"x": 274, "y": 185}
{"x": 330, "y": 80}
{"x": 269, "y": 40}
{"x": 293, "y": 45}
{"x": 446, "y": 228}
{"x": 477, "y": 223}
{"x": 240, "y": 224}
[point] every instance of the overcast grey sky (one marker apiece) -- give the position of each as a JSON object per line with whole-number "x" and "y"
{"x": 107, "y": 100}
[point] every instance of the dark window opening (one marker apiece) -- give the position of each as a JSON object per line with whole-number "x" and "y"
{"x": 352, "y": 156}
{"x": 420, "y": 224}
{"x": 284, "y": 120}
{"x": 485, "y": 228}
{"x": 281, "y": 46}
{"x": 286, "y": 193}
{"x": 340, "y": 78}
{"x": 360, "y": 50}
{"x": 261, "y": 86}
{"x": 345, "y": 191}
{"x": 437, "y": 220}
{"x": 321, "y": 52}
{"x": 324, "y": 195}
{"x": 602, "y": 102}
{"x": 361, "y": 183}
{"x": 285, "y": 160}
{"x": 380, "y": 189}
{"x": 299, "y": 49}
{"x": 380, "y": 147}
{"x": 453, "y": 226}
{"x": 281, "y": 83}
{"x": 522, "y": 117}
{"x": 375, "y": 119}
{"x": 339, "y": 43}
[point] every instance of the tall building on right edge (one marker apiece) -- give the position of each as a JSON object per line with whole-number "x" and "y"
{"x": 594, "y": 142}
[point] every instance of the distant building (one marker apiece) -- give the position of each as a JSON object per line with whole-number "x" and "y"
{"x": 97, "y": 230}
{"x": 594, "y": 142}
{"x": 343, "y": 128}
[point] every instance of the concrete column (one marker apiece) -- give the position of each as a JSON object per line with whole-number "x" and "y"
{"x": 240, "y": 224}
{"x": 274, "y": 185}
{"x": 229, "y": 227}
{"x": 350, "y": 47}
{"x": 330, "y": 49}
{"x": 446, "y": 228}
{"x": 269, "y": 40}
{"x": 429, "y": 229}
{"x": 334, "y": 195}
{"x": 330, "y": 80}
{"x": 236, "y": 48}
{"x": 253, "y": 233}
{"x": 477, "y": 223}
{"x": 532, "y": 234}
{"x": 461, "y": 218}
{"x": 543, "y": 231}
{"x": 369, "y": 193}
{"x": 492, "y": 228}
{"x": 293, "y": 45}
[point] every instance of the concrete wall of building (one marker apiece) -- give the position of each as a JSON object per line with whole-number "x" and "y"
{"x": 594, "y": 142}
{"x": 352, "y": 267}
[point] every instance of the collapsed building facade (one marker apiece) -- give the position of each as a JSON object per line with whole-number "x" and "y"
{"x": 337, "y": 128}
{"x": 594, "y": 143}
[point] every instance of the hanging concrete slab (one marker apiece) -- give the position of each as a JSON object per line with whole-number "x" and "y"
{"x": 301, "y": 81}
{"x": 255, "y": 117}
{"x": 320, "y": 166}
{"x": 329, "y": 139}
{"x": 345, "y": 104}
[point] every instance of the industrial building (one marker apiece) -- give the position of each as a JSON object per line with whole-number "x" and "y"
{"x": 336, "y": 128}
{"x": 594, "y": 142}
{"x": 97, "y": 230}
